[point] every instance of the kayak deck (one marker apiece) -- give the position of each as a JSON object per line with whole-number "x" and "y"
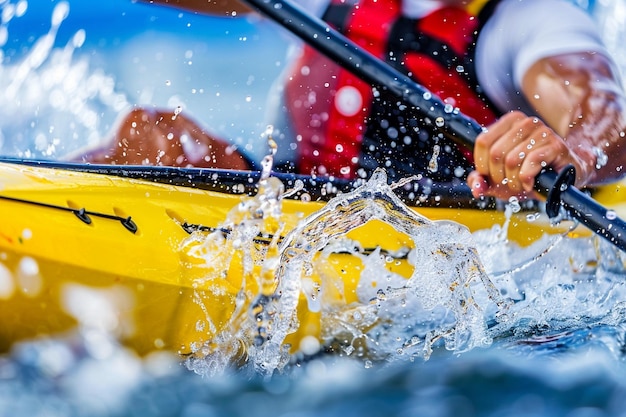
{"x": 129, "y": 239}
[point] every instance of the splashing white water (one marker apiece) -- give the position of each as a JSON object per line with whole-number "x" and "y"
{"x": 321, "y": 287}
{"x": 50, "y": 88}
{"x": 444, "y": 297}
{"x": 382, "y": 304}
{"x": 52, "y": 101}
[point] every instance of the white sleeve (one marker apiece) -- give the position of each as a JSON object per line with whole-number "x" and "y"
{"x": 520, "y": 33}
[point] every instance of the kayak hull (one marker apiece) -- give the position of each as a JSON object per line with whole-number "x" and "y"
{"x": 71, "y": 241}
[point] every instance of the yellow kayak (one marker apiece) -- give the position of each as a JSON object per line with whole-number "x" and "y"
{"x": 148, "y": 249}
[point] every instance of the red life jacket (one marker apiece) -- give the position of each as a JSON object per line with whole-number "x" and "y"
{"x": 343, "y": 126}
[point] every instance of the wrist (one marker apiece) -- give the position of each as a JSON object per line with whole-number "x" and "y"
{"x": 589, "y": 162}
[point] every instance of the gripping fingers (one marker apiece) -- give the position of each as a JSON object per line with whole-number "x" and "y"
{"x": 487, "y": 151}
{"x": 514, "y": 150}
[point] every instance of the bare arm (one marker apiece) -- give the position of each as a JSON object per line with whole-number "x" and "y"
{"x": 583, "y": 116}
{"x": 217, "y": 7}
{"x": 582, "y": 99}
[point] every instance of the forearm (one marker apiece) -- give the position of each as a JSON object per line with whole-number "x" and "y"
{"x": 597, "y": 136}
{"x": 581, "y": 98}
{"x": 217, "y": 7}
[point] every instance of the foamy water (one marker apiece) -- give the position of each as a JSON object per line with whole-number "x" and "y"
{"x": 465, "y": 290}
{"x": 52, "y": 101}
{"x": 67, "y": 80}
{"x": 481, "y": 327}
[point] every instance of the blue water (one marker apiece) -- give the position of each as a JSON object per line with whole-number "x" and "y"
{"x": 561, "y": 355}
{"x": 576, "y": 374}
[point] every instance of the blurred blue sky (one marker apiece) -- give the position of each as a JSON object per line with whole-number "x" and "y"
{"x": 217, "y": 69}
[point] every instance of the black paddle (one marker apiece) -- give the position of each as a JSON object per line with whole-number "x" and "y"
{"x": 557, "y": 188}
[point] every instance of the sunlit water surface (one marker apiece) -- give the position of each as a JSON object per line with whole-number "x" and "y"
{"x": 484, "y": 328}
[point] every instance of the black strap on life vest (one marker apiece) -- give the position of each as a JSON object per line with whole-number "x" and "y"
{"x": 403, "y": 40}
{"x": 336, "y": 15}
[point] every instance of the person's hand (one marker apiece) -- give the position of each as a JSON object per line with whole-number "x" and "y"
{"x": 512, "y": 152}
{"x": 153, "y": 137}
{"x": 216, "y": 7}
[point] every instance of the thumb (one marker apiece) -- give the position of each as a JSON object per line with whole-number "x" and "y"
{"x": 478, "y": 184}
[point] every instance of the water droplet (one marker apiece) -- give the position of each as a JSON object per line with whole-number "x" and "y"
{"x": 439, "y": 121}
{"x": 522, "y": 155}
{"x": 433, "y": 165}
{"x": 601, "y": 158}
{"x": 392, "y": 133}
{"x": 309, "y": 345}
{"x": 611, "y": 215}
{"x": 531, "y": 217}
{"x": 7, "y": 283}
{"x": 28, "y": 277}
{"x": 60, "y": 13}
{"x": 514, "y": 204}
{"x": 79, "y": 39}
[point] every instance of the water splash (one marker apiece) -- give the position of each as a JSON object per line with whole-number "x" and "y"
{"x": 445, "y": 297}
{"x": 234, "y": 264}
{"x": 558, "y": 284}
{"x": 268, "y": 161}
{"x": 320, "y": 287}
{"x": 391, "y": 304}
{"x": 53, "y": 102}
{"x": 565, "y": 299}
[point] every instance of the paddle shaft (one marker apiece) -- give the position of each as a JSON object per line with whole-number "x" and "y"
{"x": 334, "y": 45}
{"x": 453, "y": 124}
